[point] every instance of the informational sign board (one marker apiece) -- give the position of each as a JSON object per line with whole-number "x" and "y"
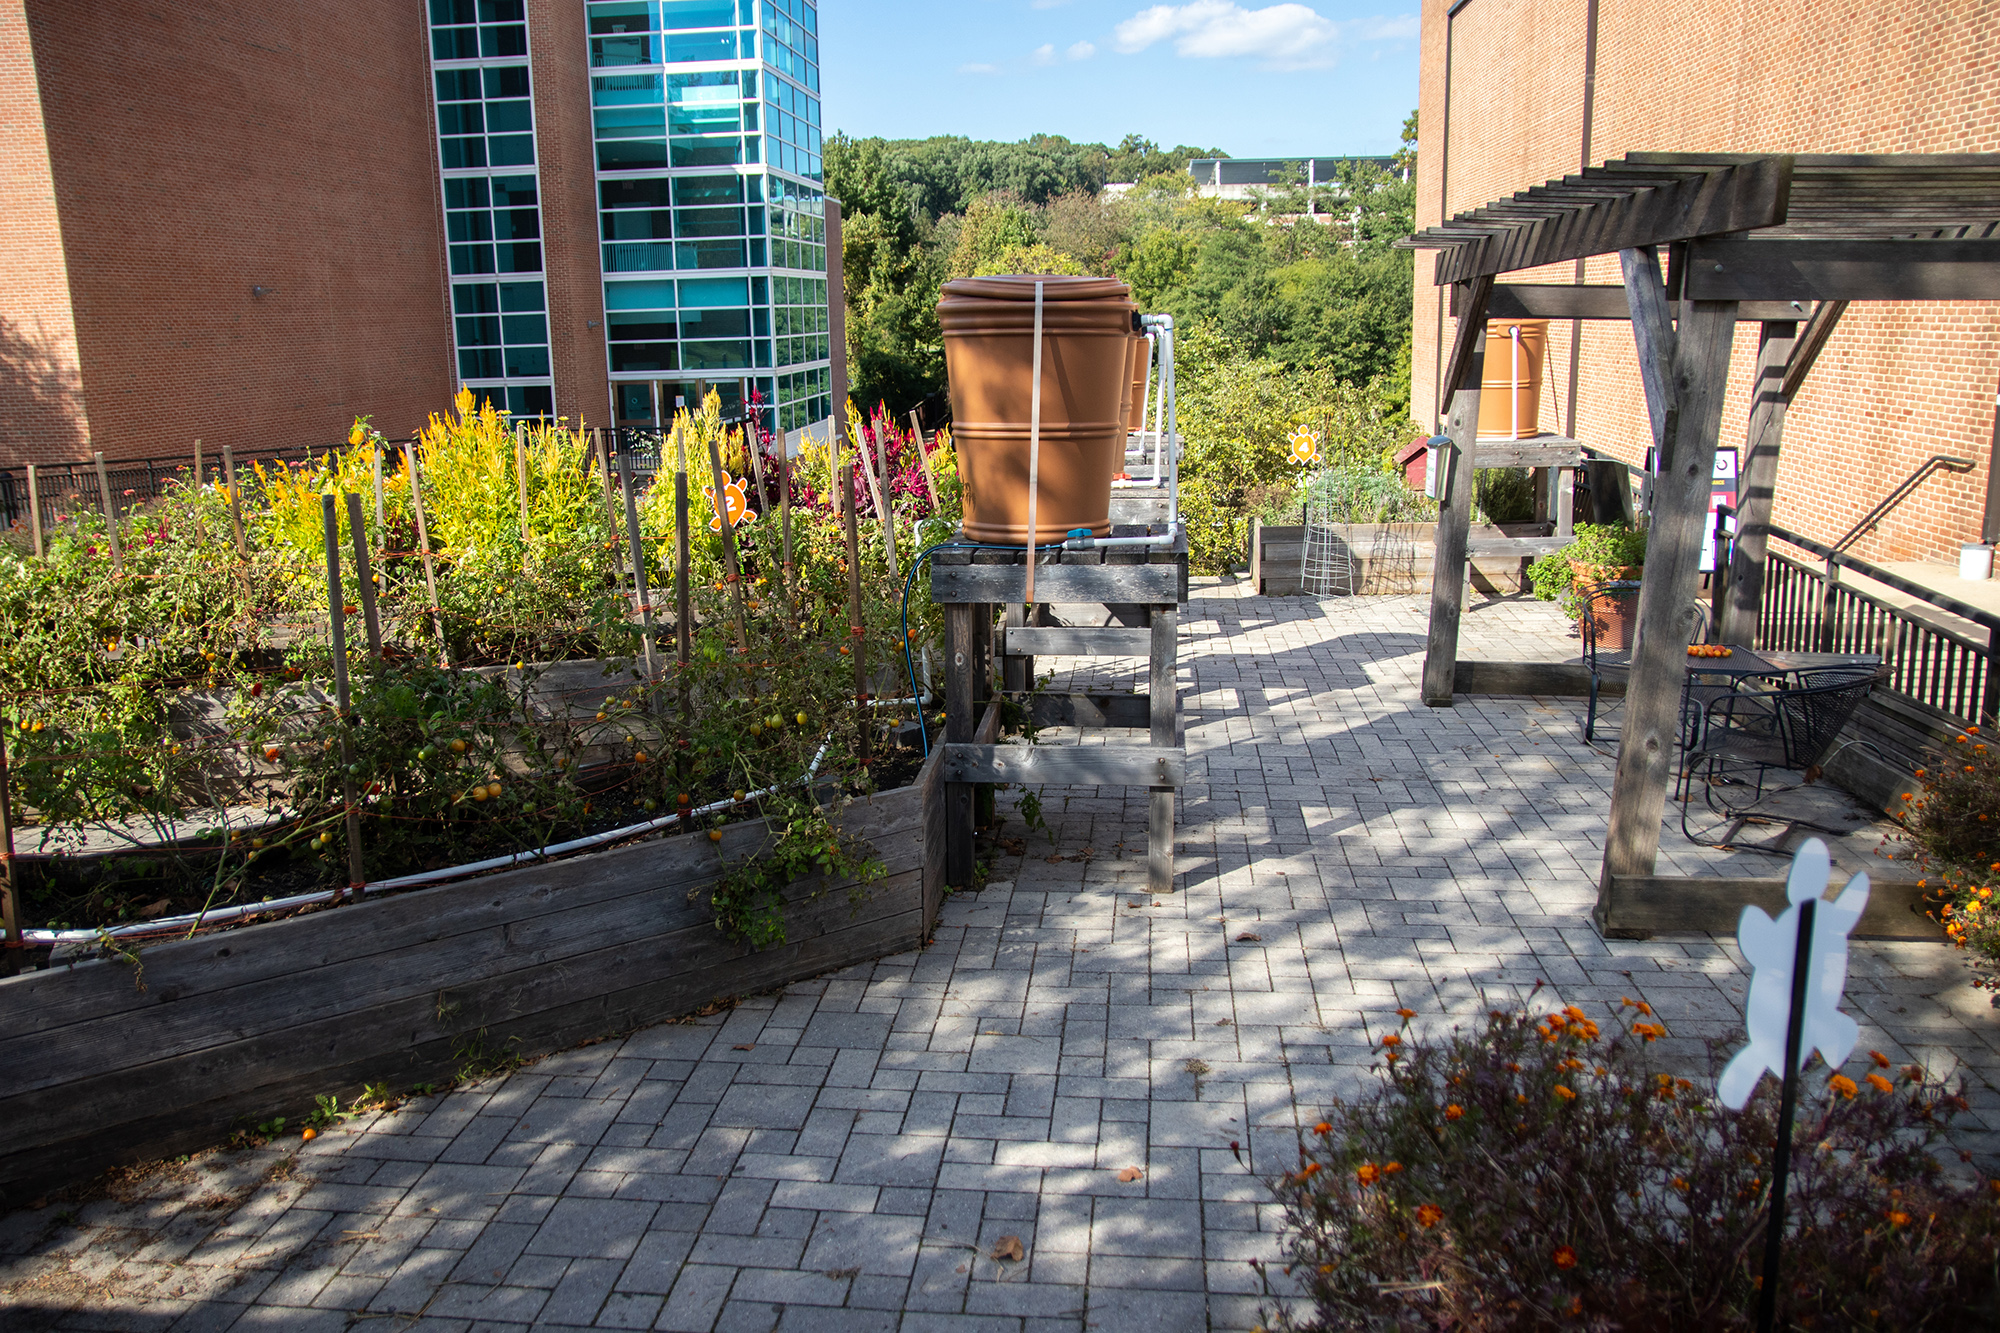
{"x": 1721, "y": 491}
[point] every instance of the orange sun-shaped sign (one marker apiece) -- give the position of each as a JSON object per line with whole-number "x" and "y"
{"x": 736, "y": 496}
{"x": 1305, "y": 446}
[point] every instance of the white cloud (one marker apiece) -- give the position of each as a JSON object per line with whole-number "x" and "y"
{"x": 978, "y": 69}
{"x": 1283, "y": 36}
{"x": 1044, "y": 54}
{"x": 1081, "y": 51}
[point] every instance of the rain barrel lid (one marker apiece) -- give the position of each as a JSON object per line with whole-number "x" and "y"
{"x": 1021, "y": 287}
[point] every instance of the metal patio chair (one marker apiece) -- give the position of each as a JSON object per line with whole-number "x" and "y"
{"x": 1792, "y": 729}
{"x": 1592, "y": 629}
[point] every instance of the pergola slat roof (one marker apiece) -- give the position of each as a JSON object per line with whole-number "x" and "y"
{"x": 1748, "y": 237}
{"x": 1663, "y": 198}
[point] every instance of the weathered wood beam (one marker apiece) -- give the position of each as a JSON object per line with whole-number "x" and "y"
{"x": 1843, "y": 270}
{"x": 1530, "y": 300}
{"x": 1070, "y": 765}
{"x": 1527, "y": 453}
{"x": 1653, "y": 332}
{"x": 1640, "y": 905}
{"x": 1710, "y": 200}
{"x": 1454, "y": 528}
{"x": 1666, "y": 600}
{"x": 1163, "y": 694}
{"x": 1469, "y": 336}
{"x": 959, "y": 720}
{"x": 1063, "y": 641}
{"x": 1756, "y": 484}
{"x": 1546, "y": 679}
{"x": 1825, "y": 317}
{"x": 1089, "y": 710}
{"x": 1000, "y": 584}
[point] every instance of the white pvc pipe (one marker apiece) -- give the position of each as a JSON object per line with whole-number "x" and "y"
{"x": 227, "y": 915}
{"x": 1034, "y": 440}
{"x": 1514, "y": 382}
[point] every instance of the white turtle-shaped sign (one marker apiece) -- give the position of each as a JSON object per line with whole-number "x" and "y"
{"x": 1770, "y": 947}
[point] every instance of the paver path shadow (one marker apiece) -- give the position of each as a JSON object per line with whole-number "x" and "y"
{"x": 846, "y": 1155}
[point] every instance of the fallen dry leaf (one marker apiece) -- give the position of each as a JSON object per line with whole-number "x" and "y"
{"x": 748, "y": 1046}
{"x": 1247, "y": 938}
{"x": 1130, "y": 1174}
{"x": 1008, "y": 1247}
{"x": 1053, "y": 860}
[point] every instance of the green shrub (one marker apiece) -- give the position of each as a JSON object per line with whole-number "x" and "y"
{"x": 1951, "y": 819}
{"x": 1597, "y": 545}
{"x": 1535, "y": 1174}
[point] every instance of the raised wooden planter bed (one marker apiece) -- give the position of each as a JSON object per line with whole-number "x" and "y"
{"x": 1392, "y": 557}
{"x": 235, "y": 1027}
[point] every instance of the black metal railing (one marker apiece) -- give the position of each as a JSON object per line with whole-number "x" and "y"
{"x": 1806, "y": 607}
{"x": 73, "y": 487}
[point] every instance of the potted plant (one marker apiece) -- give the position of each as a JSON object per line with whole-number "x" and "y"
{"x": 1602, "y": 553}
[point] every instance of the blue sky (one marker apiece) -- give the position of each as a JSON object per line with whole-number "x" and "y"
{"x": 1255, "y": 80}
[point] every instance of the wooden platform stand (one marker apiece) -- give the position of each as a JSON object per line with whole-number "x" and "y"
{"x": 1139, "y": 590}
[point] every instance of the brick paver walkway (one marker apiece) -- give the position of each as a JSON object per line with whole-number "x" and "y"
{"x": 846, "y": 1155}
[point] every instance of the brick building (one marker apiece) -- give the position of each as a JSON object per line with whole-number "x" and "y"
{"x": 1517, "y": 92}
{"x": 248, "y": 224}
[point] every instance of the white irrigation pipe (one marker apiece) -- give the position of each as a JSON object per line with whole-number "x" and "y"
{"x": 228, "y": 915}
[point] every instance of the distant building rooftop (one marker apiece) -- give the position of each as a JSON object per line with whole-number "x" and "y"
{"x": 1236, "y": 177}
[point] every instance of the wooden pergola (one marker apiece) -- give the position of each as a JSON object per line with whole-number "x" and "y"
{"x": 1778, "y": 240}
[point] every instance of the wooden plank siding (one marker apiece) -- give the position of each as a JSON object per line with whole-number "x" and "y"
{"x": 232, "y": 1028}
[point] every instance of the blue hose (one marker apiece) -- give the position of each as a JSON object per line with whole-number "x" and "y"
{"x": 909, "y": 662}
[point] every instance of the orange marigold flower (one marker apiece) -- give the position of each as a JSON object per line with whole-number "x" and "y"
{"x": 1565, "y": 1093}
{"x": 1880, "y": 1084}
{"x": 1309, "y": 1170}
{"x": 1973, "y": 730}
{"x": 1391, "y": 1039}
{"x": 1391, "y": 1168}
{"x": 1406, "y": 1013}
{"x": 1565, "y": 1257}
{"x": 1843, "y": 1085}
{"x": 1574, "y": 1012}
{"x": 1429, "y": 1215}
{"x": 1368, "y": 1173}
{"x": 1649, "y": 1031}
{"x": 1898, "y": 1219}
{"x": 1680, "y": 1183}
{"x": 1881, "y": 1060}
{"x": 1644, "y": 1008}
{"x": 1920, "y": 772}
{"x": 1322, "y": 1128}
{"x": 1454, "y": 1111}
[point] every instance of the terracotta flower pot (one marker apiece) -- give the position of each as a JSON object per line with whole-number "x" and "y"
{"x": 1086, "y": 371}
{"x": 1617, "y": 613}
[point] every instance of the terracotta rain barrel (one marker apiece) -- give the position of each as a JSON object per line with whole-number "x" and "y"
{"x": 1512, "y": 384}
{"x": 1086, "y": 384}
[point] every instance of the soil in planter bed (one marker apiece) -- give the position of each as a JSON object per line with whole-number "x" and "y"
{"x": 85, "y": 892}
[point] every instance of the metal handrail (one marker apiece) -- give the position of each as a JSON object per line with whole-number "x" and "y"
{"x": 1947, "y": 462}
{"x": 1888, "y": 578}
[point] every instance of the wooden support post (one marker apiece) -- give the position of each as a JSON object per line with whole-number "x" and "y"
{"x": 683, "y": 604}
{"x": 1698, "y": 379}
{"x": 1653, "y": 332}
{"x": 1015, "y": 672}
{"x": 1755, "y": 488}
{"x": 35, "y": 509}
{"x": 10, "y": 897}
{"x": 423, "y": 550}
{"x": 983, "y": 795}
{"x": 1454, "y": 530}
{"x": 375, "y": 466}
{"x": 337, "y": 621}
{"x": 1256, "y": 556}
{"x": 1565, "y": 502}
{"x": 110, "y": 507}
{"x": 642, "y": 601}
{"x": 604, "y": 475}
{"x": 959, "y": 721}
{"x": 364, "y": 571}
{"x": 1163, "y": 704}
{"x": 236, "y": 500}
{"x": 785, "y": 533}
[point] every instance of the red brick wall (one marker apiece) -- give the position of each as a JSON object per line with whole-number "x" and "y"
{"x": 41, "y": 386}
{"x": 203, "y": 148}
{"x": 568, "y": 157}
{"x": 1899, "y": 381}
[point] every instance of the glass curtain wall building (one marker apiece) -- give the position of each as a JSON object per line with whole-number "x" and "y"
{"x": 492, "y": 201}
{"x": 706, "y": 125}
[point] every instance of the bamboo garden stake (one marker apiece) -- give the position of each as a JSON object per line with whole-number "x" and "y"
{"x": 683, "y": 617}
{"x": 721, "y": 508}
{"x": 381, "y": 511}
{"x": 643, "y": 602}
{"x": 521, "y": 483}
{"x": 236, "y": 502}
{"x": 337, "y": 617}
{"x": 110, "y": 514}
{"x": 424, "y": 549}
{"x": 856, "y": 632}
{"x": 35, "y": 508}
{"x": 930, "y": 479}
{"x": 364, "y": 571}
{"x": 785, "y": 527}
